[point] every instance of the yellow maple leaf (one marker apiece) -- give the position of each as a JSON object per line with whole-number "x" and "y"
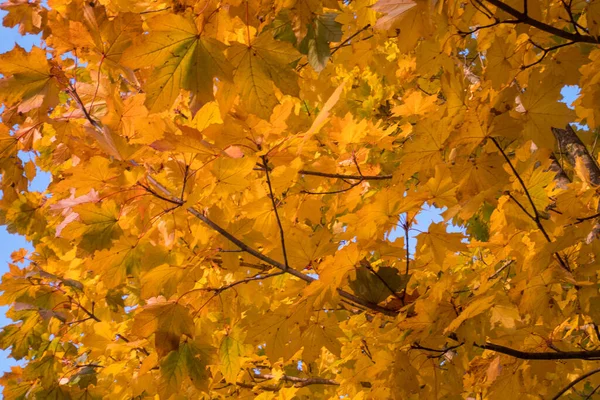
{"x": 183, "y": 57}
{"x": 437, "y": 242}
{"x": 259, "y": 66}
{"x": 415, "y": 104}
{"x": 27, "y": 79}
{"x": 540, "y": 110}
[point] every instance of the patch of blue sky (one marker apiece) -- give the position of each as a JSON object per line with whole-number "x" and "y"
{"x": 9, "y": 37}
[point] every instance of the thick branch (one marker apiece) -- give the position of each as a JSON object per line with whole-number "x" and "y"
{"x": 591, "y": 355}
{"x": 526, "y": 19}
{"x": 569, "y": 142}
{"x": 202, "y": 217}
{"x": 575, "y": 150}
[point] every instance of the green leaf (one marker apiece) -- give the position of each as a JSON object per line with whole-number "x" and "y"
{"x": 324, "y": 31}
{"x": 97, "y": 226}
{"x": 258, "y": 66}
{"x": 230, "y": 354}
{"x": 195, "y": 364}
{"x": 368, "y": 286}
{"x": 186, "y": 60}
{"x": 173, "y": 369}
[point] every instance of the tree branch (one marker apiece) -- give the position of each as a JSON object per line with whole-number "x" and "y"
{"x": 575, "y": 382}
{"x": 545, "y": 52}
{"x": 297, "y": 381}
{"x": 526, "y": 19}
{"x": 590, "y": 355}
{"x": 257, "y": 277}
{"x": 342, "y": 176}
{"x": 577, "y": 151}
{"x": 274, "y": 203}
{"x": 536, "y": 215}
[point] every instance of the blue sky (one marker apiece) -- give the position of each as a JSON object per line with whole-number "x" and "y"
{"x": 10, "y": 243}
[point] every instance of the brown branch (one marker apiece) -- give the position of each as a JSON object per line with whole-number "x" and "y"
{"x": 477, "y": 28}
{"x": 588, "y": 355}
{"x": 352, "y": 186}
{"x": 297, "y": 381}
{"x": 338, "y": 176}
{"x": 274, "y": 203}
{"x": 589, "y": 396}
{"x": 526, "y": 19}
{"x": 342, "y": 176}
{"x": 406, "y": 227}
{"x": 442, "y": 352}
{"x": 545, "y": 52}
{"x": 576, "y": 151}
{"x": 355, "y": 34}
{"x": 257, "y": 277}
{"x": 569, "y": 11}
{"x": 576, "y": 381}
{"x": 582, "y": 219}
{"x": 509, "y": 194}
{"x": 158, "y": 195}
{"x": 499, "y": 270}
{"x": 536, "y": 215}
{"x": 591, "y": 355}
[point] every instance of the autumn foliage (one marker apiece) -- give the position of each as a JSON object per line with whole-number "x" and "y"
{"x": 228, "y": 178}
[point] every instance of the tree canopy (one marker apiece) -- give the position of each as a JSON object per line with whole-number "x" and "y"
{"x": 236, "y": 184}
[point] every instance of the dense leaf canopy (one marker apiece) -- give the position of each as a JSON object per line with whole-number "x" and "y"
{"x": 228, "y": 178}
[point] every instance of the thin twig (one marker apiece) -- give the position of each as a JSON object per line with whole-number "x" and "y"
{"x": 257, "y": 277}
{"x": 536, "y": 215}
{"x": 342, "y": 176}
{"x": 274, "y": 203}
{"x": 545, "y": 52}
{"x": 575, "y": 382}
{"x": 335, "y": 49}
{"x": 406, "y": 227}
{"x": 499, "y": 270}
{"x": 589, "y": 396}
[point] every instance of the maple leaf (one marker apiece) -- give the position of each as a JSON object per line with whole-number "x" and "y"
{"x": 540, "y": 110}
{"x": 260, "y": 65}
{"x": 185, "y": 58}
{"x": 167, "y": 321}
{"x": 231, "y": 352}
{"x": 29, "y": 15}
{"x": 27, "y": 79}
{"x": 436, "y": 241}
